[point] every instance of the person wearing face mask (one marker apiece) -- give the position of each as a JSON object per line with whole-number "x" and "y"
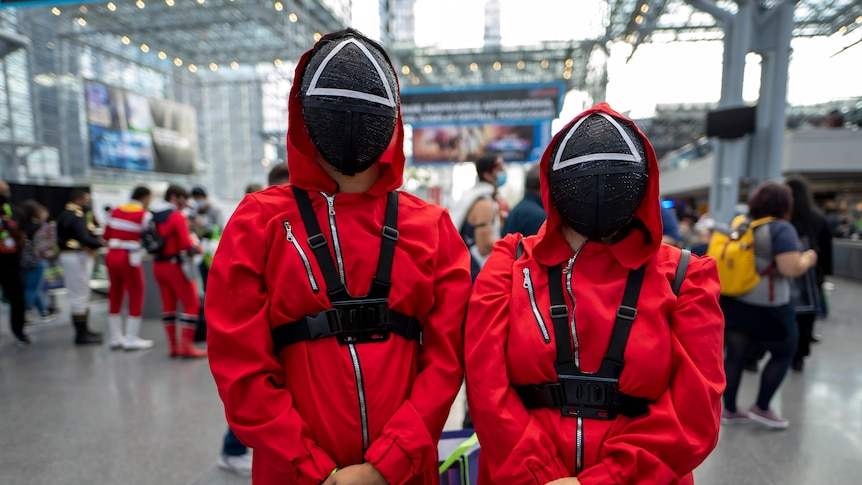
{"x": 479, "y": 213}
{"x": 593, "y": 352}
{"x": 335, "y": 302}
{"x": 174, "y": 274}
{"x": 78, "y": 247}
{"x": 11, "y": 276}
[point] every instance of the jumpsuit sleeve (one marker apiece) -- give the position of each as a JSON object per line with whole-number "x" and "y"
{"x": 407, "y": 445}
{"x": 522, "y": 451}
{"x": 184, "y": 234}
{"x": 681, "y": 428}
{"x": 241, "y": 356}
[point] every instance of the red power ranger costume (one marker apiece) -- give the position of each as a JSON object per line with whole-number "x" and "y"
{"x": 672, "y": 361}
{"x": 125, "y": 273}
{"x": 174, "y": 284}
{"x": 314, "y": 405}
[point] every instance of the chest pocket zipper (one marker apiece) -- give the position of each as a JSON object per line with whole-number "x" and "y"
{"x": 528, "y": 284}
{"x": 304, "y": 257}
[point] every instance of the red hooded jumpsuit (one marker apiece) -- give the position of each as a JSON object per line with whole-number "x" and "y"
{"x": 318, "y": 405}
{"x": 673, "y": 356}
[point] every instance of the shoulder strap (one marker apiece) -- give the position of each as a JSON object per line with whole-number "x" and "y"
{"x": 317, "y": 243}
{"x": 381, "y": 282}
{"x": 613, "y": 363}
{"x": 560, "y": 317}
{"x": 684, "y": 258}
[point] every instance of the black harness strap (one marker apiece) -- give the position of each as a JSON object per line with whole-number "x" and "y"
{"x": 351, "y": 319}
{"x": 612, "y": 365}
{"x": 560, "y": 317}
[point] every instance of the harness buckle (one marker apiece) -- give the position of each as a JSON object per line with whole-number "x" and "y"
{"x": 390, "y": 233}
{"x": 589, "y": 397}
{"x": 316, "y": 241}
{"x": 362, "y": 321}
{"x": 559, "y": 311}
{"x": 627, "y": 312}
{"x": 323, "y": 324}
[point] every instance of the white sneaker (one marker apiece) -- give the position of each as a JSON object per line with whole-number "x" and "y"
{"x": 239, "y": 464}
{"x": 117, "y": 343}
{"x": 136, "y": 343}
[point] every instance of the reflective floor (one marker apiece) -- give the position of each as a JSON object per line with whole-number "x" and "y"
{"x": 88, "y": 415}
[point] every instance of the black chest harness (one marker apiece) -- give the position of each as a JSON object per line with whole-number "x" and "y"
{"x": 352, "y": 320}
{"x": 594, "y": 395}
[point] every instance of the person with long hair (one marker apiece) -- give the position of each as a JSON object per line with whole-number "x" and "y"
{"x": 764, "y": 317}
{"x": 814, "y": 233}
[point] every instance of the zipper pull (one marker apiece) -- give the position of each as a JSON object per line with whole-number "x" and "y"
{"x": 330, "y": 202}
{"x": 288, "y": 231}
{"x": 527, "y": 278}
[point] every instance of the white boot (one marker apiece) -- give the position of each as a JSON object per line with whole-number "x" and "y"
{"x": 132, "y": 341}
{"x": 115, "y": 327}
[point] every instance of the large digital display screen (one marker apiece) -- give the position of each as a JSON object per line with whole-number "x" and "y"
{"x": 462, "y": 124}
{"x": 134, "y": 132}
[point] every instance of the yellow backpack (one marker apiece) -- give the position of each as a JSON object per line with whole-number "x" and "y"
{"x": 733, "y": 251}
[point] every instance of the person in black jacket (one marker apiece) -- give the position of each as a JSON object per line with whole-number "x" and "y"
{"x": 11, "y": 280}
{"x": 814, "y": 233}
{"x": 78, "y": 247}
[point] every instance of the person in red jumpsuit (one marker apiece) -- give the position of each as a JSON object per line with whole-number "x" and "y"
{"x": 125, "y": 273}
{"x": 175, "y": 272}
{"x": 335, "y": 303}
{"x": 593, "y": 352}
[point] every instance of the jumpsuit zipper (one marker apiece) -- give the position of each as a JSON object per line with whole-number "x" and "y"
{"x": 579, "y": 434}
{"x": 354, "y": 354}
{"x": 290, "y": 237}
{"x": 528, "y": 284}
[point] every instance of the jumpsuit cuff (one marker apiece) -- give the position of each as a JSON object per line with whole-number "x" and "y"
{"x": 390, "y": 460}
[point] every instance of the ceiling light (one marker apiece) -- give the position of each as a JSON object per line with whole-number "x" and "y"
{"x": 522, "y": 64}
{"x": 111, "y": 6}
{"x": 213, "y": 66}
{"x": 170, "y": 3}
{"x": 145, "y": 48}
{"x": 450, "y": 68}
{"x": 265, "y": 162}
{"x": 545, "y": 63}
{"x": 567, "y": 75}
{"x": 83, "y": 8}
{"x": 234, "y": 65}
{"x": 639, "y": 19}
{"x": 140, "y": 4}
{"x": 178, "y": 62}
{"x": 55, "y": 11}
{"x": 416, "y": 80}
{"x": 474, "y": 67}
{"x": 497, "y": 66}
{"x": 293, "y": 18}
{"x": 277, "y": 62}
{"x": 81, "y": 21}
{"x": 201, "y": 2}
{"x": 428, "y": 68}
{"x": 50, "y": 45}
{"x": 278, "y": 6}
{"x": 645, "y": 8}
{"x": 569, "y": 62}
{"x": 405, "y": 69}
{"x": 317, "y": 36}
{"x": 193, "y": 68}
{"x": 125, "y": 40}
{"x": 162, "y": 55}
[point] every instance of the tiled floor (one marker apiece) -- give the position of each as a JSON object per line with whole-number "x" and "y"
{"x": 86, "y": 415}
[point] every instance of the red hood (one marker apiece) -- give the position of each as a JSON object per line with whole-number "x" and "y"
{"x": 632, "y": 251}
{"x": 307, "y": 174}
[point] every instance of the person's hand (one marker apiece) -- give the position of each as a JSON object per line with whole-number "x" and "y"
{"x": 565, "y": 481}
{"x": 364, "y": 474}
{"x": 811, "y": 255}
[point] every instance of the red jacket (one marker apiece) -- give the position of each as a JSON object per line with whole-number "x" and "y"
{"x": 175, "y": 230}
{"x": 302, "y": 410}
{"x": 673, "y": 356}
{"x": 124, "y": 226}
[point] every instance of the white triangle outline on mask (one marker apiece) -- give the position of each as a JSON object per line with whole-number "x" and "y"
{"x": 633, "y": 157}
{"x": 313, "y": 90}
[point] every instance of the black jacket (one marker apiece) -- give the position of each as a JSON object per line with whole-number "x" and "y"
{"x": 73, "y": 231}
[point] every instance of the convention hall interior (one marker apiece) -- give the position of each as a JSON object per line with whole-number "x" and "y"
{"x": 104, "y": 96}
